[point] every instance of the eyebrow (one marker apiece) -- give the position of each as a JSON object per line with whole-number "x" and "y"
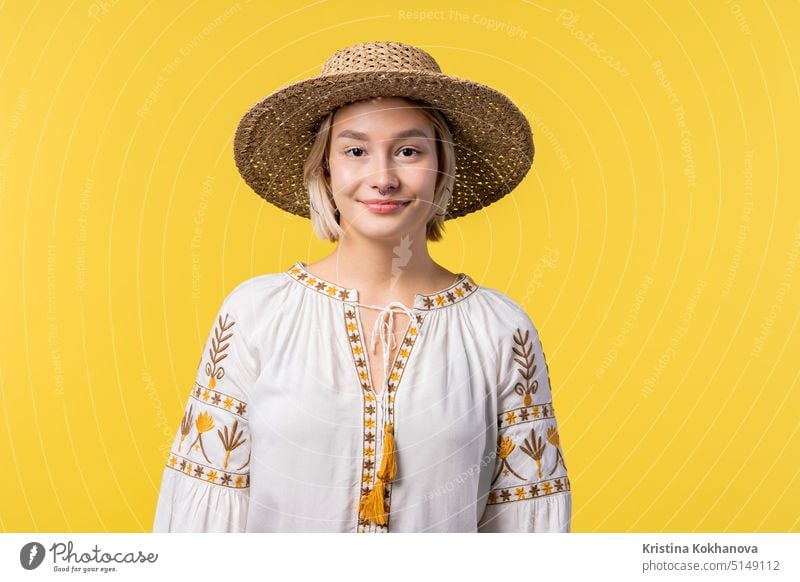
{"x": 363, "y": 136}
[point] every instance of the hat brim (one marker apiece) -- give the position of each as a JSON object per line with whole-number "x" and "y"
{"x": 492, "y": 138}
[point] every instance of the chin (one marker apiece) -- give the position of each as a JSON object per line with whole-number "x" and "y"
{"x": 378, "y": 232}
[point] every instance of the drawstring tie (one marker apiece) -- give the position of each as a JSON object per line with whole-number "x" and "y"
{"x": 373, "y": 506}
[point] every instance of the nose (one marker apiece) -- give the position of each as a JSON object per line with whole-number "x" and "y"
{"x": 383, "y": 176}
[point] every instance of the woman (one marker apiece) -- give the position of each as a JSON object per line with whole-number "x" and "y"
{"x": 440, "y": 419}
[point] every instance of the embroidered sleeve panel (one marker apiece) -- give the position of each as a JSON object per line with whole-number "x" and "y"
{"x": 213, "y": 441}
{"x": 530, "y": 461}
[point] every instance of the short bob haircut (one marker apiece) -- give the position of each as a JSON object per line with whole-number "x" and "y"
{"x": 324, "y": 219}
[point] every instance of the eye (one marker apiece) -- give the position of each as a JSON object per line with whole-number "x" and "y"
{"x": 409, "y": 149}
{"x": 356, "y": 151}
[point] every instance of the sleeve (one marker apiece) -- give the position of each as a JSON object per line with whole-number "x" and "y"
{"x": 206, "y": 482}
{"x": 530, "y": 489}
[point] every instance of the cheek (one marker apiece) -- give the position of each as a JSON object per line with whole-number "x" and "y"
{"x": 343, "y": 177}
{"x": 424, "y": 178}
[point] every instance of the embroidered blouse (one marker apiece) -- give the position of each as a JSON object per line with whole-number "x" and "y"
{"x": 283, "y": 431}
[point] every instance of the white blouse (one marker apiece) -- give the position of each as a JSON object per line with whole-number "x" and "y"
{"x": 283, "y": 431}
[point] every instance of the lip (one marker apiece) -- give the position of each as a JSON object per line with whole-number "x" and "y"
{"x": 385, "y": 206}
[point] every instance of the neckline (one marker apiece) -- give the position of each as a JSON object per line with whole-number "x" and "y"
{"x": 457, "y": 291}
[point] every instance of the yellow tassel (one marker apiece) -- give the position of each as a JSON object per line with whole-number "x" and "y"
{"x": 373, "y": 506}
{"x": 389, "y": 460}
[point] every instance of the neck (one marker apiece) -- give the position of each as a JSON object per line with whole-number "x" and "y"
{"x": 386, "y": 270}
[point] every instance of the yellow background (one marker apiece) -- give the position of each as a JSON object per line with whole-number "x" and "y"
{"x": 654, "y": 244}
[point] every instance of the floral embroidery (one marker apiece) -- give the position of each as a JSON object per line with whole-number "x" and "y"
{"x": 529, "y": 491}
{"x": 370, "y": 436}
{"x": 212, "y": 407}
{"x": 534, "y": 448}
{"x": 204, "y": 423}
{"x": 525, "y": 414}
{"x": 538, "y": 449}
{"x": 219, "y": 400}
{"x": 186, "y": 426}
{"x": 525, "y": 358}
{"x": 504, "y": 448}
{"x": 299, "y": 274}
{"x": 230, "y": 479}
{"x": 532, "y": 445}
{"x": 231, "y": 440}
{"x": 553, "y": 439}
{"x": 530, "y": 462}
{"x": 217, "y": 350}
{"x": 458, "y": 291}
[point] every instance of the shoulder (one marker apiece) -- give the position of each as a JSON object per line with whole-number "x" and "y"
{"x": 256, "y": 293}
{"x": 522, "y": 369}
{"x": 505, "y": 316}
{"x": 257, "y": 297}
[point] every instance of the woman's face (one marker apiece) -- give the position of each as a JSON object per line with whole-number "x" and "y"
{"x": 383, "y": 168}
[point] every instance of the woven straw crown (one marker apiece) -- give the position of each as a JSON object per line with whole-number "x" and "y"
{"x": 492, "y": 138}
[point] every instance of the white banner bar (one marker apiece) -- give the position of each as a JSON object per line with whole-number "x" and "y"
{"x": 385, "y": 558}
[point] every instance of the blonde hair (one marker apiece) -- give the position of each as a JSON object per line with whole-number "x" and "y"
{"x": 317, "y": 178}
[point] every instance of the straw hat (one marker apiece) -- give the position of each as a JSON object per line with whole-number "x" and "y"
{"x": 493, "y": 140}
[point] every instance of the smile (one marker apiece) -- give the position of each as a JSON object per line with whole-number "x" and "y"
{"x": 385, "y": 207}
